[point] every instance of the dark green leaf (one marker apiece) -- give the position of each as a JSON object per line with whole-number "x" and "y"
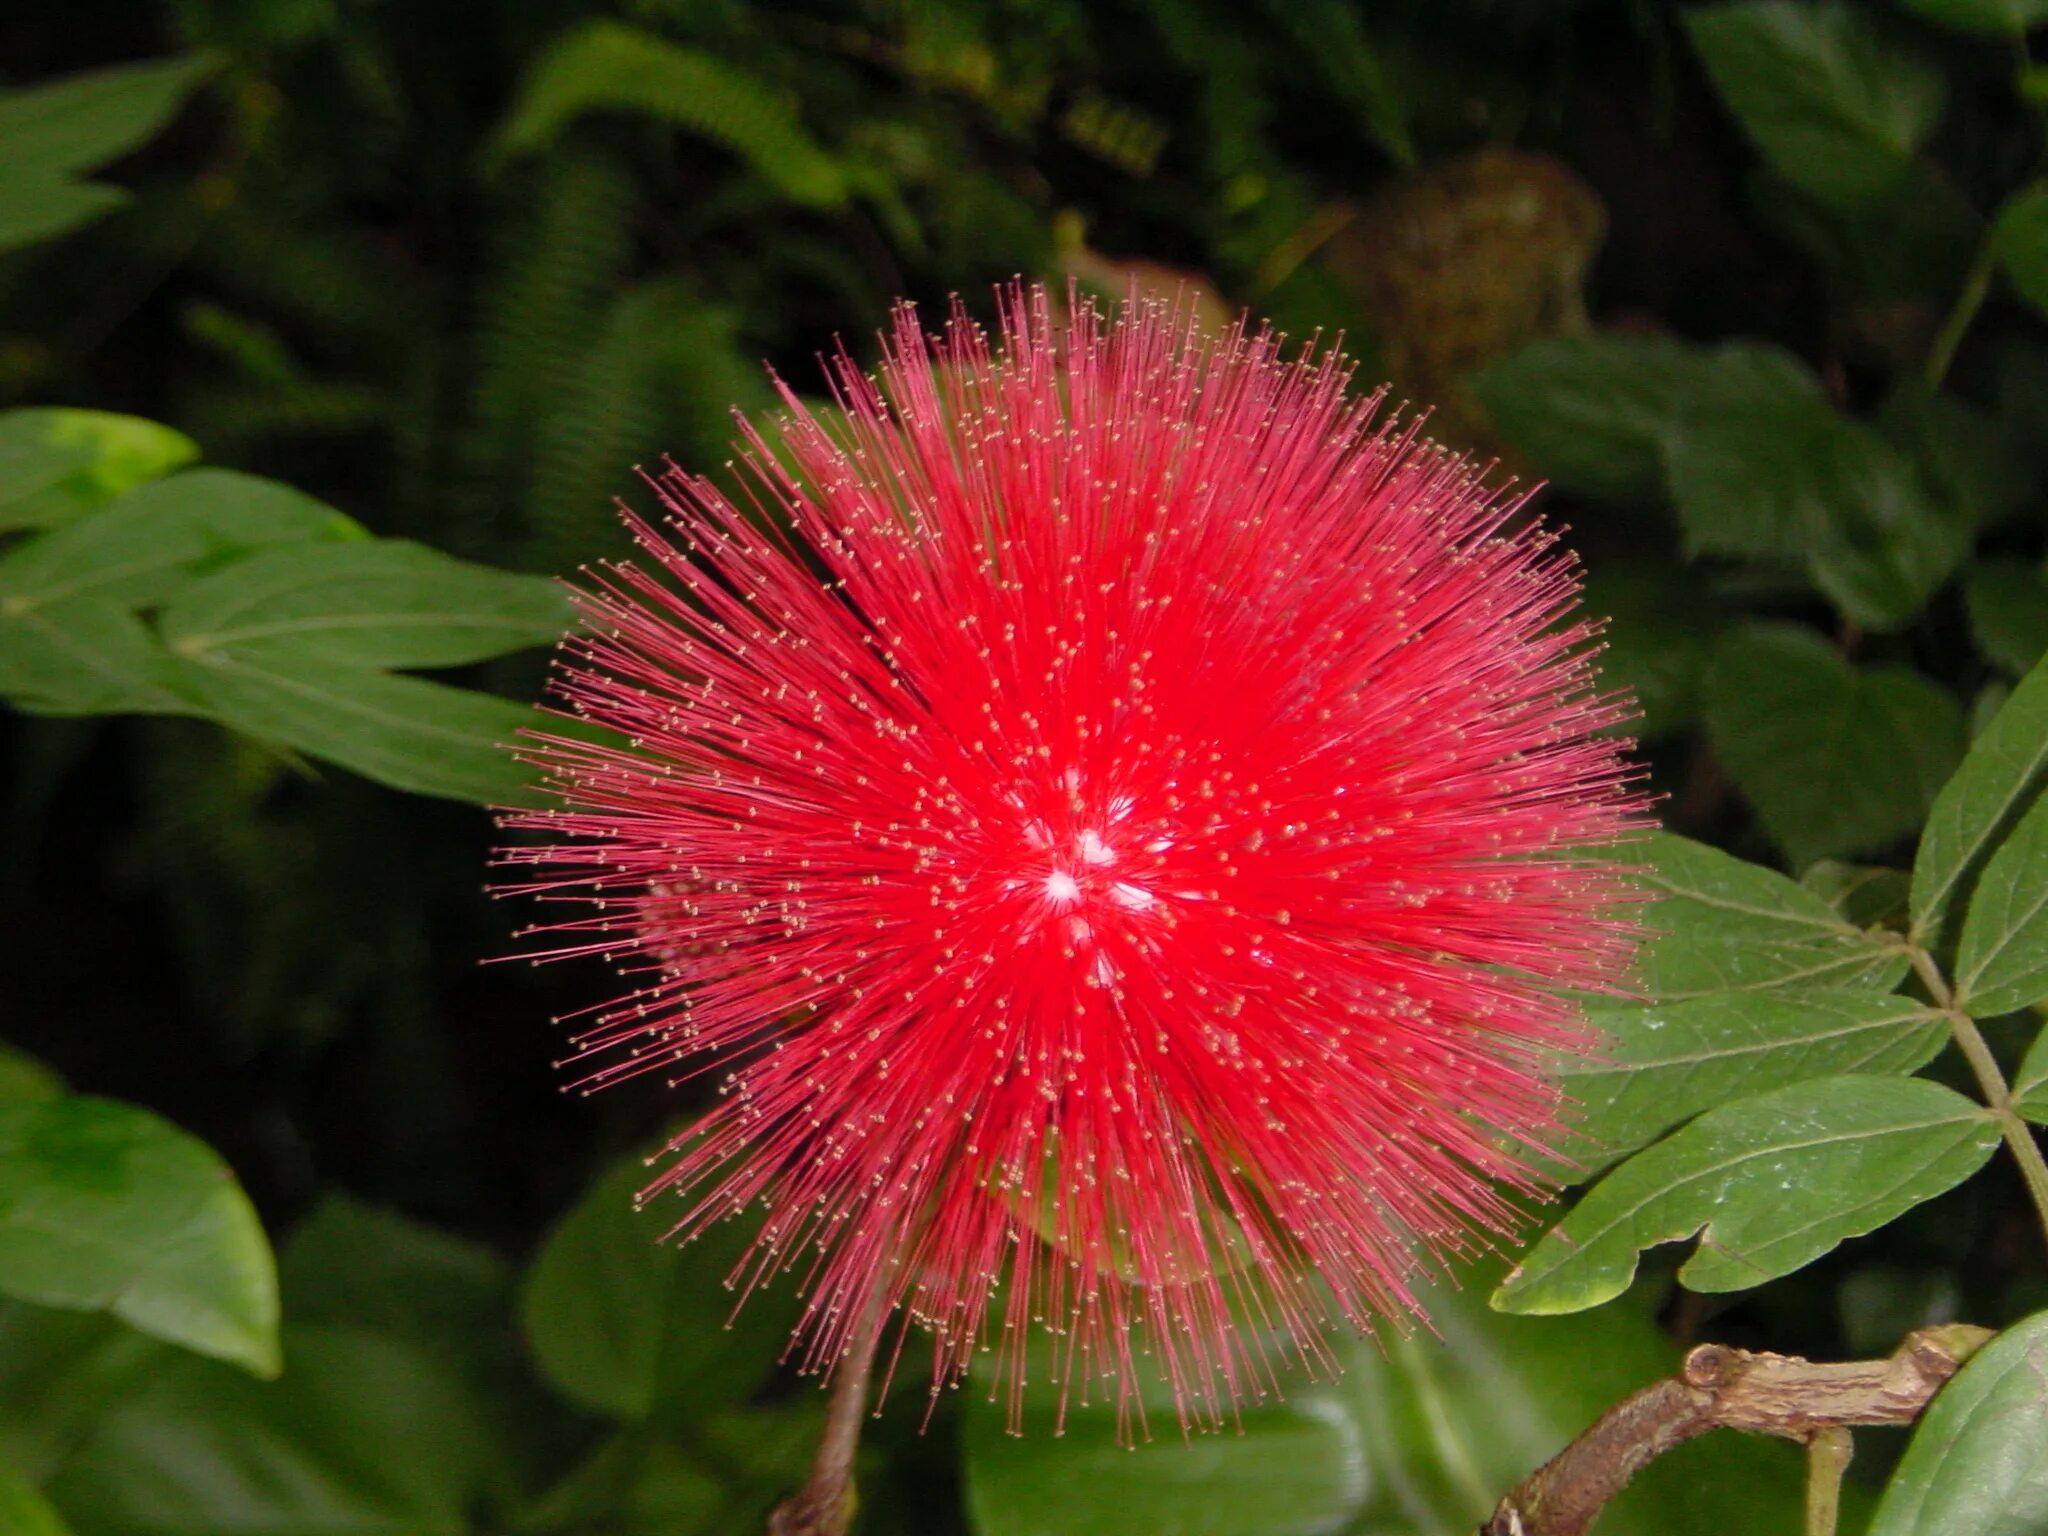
{"x": 1413, "y": 1436}
{"x": 2012, "y": 17}
{"x": 1864, "y": 894}
{"x": 403, "y": 731}
{"x": 607, "y": 66}
{"x": 35, "y": 206}
{"x": 153, "y": 539}
{"x": 2002, "y": 957}
{"x": 385, "y": 603}
{"x": 2021, "y": 240}
{"x": 1835, "y": 760}
{"x": 1721, "y": 925}
{"x": 1836, "y": 107}
{"x": 1593, "y": 412}
{"x": 58, "y": 1373}
{"x": 85, "y": 120}
{"x": 1667, "y": 1062}
{"x": 361, "y": 1434}
{"x": 1881, "y": 545}
{"x": 1746, "y": 457}
{"x": 1658, "y": 636}
{"x": 105, "y": 1207}
{"x": 56, "y": 465}
{"x": 2008, "y": 602}
{"x": 1769, "y": 1184}
{"x": 1978, "y": 1461}
{"x": 1988, "y": 794}
{"x": 620, "y": 1321}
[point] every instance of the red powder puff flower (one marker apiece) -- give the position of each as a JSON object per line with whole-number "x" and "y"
{"x": 1119, "y": 820}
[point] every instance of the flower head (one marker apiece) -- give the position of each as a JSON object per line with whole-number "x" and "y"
{"x": 1118, "y": 819}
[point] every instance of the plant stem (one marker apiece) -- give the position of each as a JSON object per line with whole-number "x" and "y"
{"x": 825, "y": 1505}
{"x": 2019, "y": 1136}
{"x": 1969, "y": 299}
{"x": 1827, "y": 1458}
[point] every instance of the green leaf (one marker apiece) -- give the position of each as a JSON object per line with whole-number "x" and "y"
{"x": 1998, "y": 780}
{"x": 35, "y": 207}
{"x": 414, "y": 735}
{"x": 386, "y": 603}
{"x": 1978, "y": 1460}
{"x": 2030, "y": 1083}
{"x": 1835, "y": 760}
{"x": 58, "y": 1373}
{"x": 621, "y": 1321}
{"x": 84, "y": 656}
{"x": 1881, "y": 545}
{"x": 2020, "y": 237}
{"x": 361, "y": 1434}
{"x": 2011, "y": 17}
{"x": 2008, "y": 605}
{"x": 1721, "y": 925}
{"x": 1402, "y": 1436}
{"x": 1665, "y": 1063}
{"x": 24, "y": 1080}
{"x": 145, "y": 546}
{"x": 2002, "y": 957}
{"x": 1835, "y": 106}
{"x": 24, "y": 1512}
{"x": 1865, "y": 895}
{"x": 105, "y": 1207}
{"x": 85, "y": 120}
{"x": 1768, "y": 1183}
{"x": 608, "y": 66}
{"x": 1658, "y": 636}
{"x": 1593, "y": 412}
{"x": 58, "y": 464}
{"x": 1743, "y": 454}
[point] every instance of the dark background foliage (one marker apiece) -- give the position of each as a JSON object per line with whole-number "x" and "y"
{"x": 1755, "y": 287}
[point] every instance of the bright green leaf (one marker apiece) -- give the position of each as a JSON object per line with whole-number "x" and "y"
{"x": 2002, "y": 957}
{"x": 153, "y": 539}
{"x": 620, "y": 1321}
{"x": 1835, "y": 760}
{"x": 1978, "y": 1460}
{"x": 25, "y": 1512}
{"x": 84, "y": 120}
{"x": 1769, "y": 1184}
{"x": 58, "y": 464}
{"x": 1719, "y": 924}
{"x": 105, "y": 1207}
{"x": 1665, "y": 1063}
{"x": 1836, "y": 107}
{"x": 2011, "y": 17}
{"x": 361, "y": 1434}
{"x": 414, "y": 735}
{"x": 608, "y": 66}
{"x": 2021, "y": 239}
{"x": 2008, "y": 605}
{"x": 1998, "y": 780}
{"x": 385, "y": 603}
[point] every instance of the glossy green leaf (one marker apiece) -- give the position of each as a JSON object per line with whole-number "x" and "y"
{"x": 608, "y": 66}
{"x": 58, "y": 464}
{"x": 1997, "y": 781}
{"x": 156, "y": 537}
{"x": 1978, "y": 1460}
{"x": 2008, "y": 606}
{"x": 1665, "y": 1063}
{"x": 25, "y": 1512}
{"x": 1593, "y": 412}
{"x": 35, "y": 206}
{"x": 1768, "y": 1184}
{"x": 1836, "y": 106}
{"x": 2030, "y": 1083}
{"x": 361, "y": 1434}
{"x": 2011, "y": 17}
{"x": 1414, "y": 1436}
{"x": 1800, "y": 731}
{"x": 2002, "y": 957}
{"x": 84, "y": 120}
{"x": 2021, "y": 239}
{"x": 1719, "y": 924}
{"x": 385, "y": 603}
{"x": 105, "y": 1207}
{"x": 620, "y": 1321}
{"x": 414, "y": 735}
